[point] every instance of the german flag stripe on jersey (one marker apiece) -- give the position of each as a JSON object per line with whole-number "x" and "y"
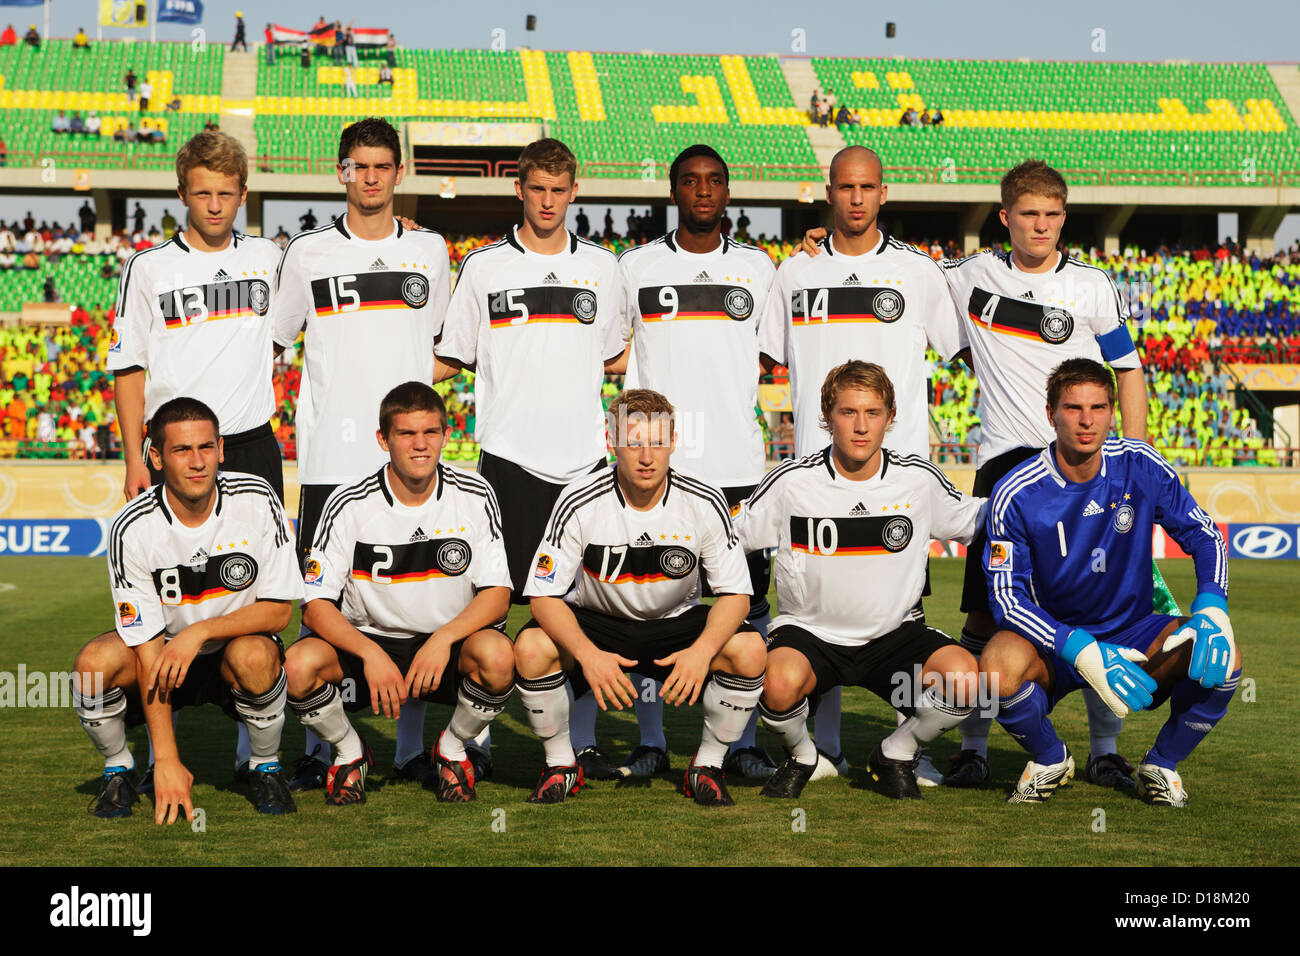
{"x": 621, "y": 564}
{"x": 859, "y": 536}
{"x": 213, "y": 301}
{"x": 565, "y": 304}
{"x": 846, "y": 304}
{"x": 727, "y": 303}
{"x": 221, "y": 575}
{"x": 413, "y": 561}
{"x": 369, "y": 291}
{"x": 410, "y": 577}
{"x": 1019, "y": 318}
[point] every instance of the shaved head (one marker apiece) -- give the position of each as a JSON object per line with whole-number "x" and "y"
{"x": 851, "y": 156}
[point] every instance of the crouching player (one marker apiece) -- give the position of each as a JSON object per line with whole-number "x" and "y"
{"x": 634, "y": 537}
{"x": 851, "y": 525}
{"x": 405, "y": 585}
{"x": 1069, "y": 559}
{"x": 204, "y": 578}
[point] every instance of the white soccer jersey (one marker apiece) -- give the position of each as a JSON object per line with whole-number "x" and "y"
{"x": 879, "y": 307}
{"x": 850, "y": 556}
{"x": 166, "y": 576}
{"x": 639, "y": 565}
{"x": 404, "y": 572}
{"x": 538, "y": 329}
{"x": 371, "y": 310}
{"x": 1021, "y": 325}
{"x": 695, "y": 340}
{"x": 199, "y": 323}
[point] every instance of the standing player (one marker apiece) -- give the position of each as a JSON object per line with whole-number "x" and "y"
{"x": 868, "y": 296}
{"x": 694, "y": 297}
{"x": 538, "y": 317}
{"x": 193, "y": 318}
{"x": 1068, "y": 557}
{"x": 634, "y": 537}
{"x": 371, "y": 294}
{"x": 852, "y": 513}
{"x": 203, "y": 578}
{"x": 406, "y": 578}
{"x": 1024, "y": 313}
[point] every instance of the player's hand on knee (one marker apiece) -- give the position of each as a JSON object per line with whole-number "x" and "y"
{"x": 171, "y": 786}
{"x": 690, "y": 669}
{"x": 173, "y": 663}
{"x": 425, "y": 675}
{"x": 387, "y": 686}
{"x": 810, "y": 240}
{"x": 1213, "y": 645}
{"x": 1112, "y": 671}
{"x": 604, "y": 674}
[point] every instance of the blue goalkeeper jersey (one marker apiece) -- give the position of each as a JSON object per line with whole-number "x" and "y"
{"x": 1062, "y": 554}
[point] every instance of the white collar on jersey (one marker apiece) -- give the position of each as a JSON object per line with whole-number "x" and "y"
{"x": 338, "y": 224}
{"x": 1011, "y": 266}
{"x": 382, "y": 475}
{"x": 618, "y": 492}
{"x": 179, "y": 241}
{"x": 512, "y": 237}
{"x": 161, "y": 494}
{"x": 668, "y": 241}
{"x": 884, "y": 243}
{"x": 836, "y": 476}
{"x": 1048, "y": 455}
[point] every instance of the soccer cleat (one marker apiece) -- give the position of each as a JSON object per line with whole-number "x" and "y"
{"x": 967, "y": 769}
{"x": 1160, "y": 787}
{"x": 707, "y": 786}
{"x": 927, "y": 774}
{"x": 828, "y": 766}
{"x": 345, "y": 783}
{"x": 645, "y": 761}
{"x": 595, "y": 765}
{"x": 1040, "y": 781}
{"x": 750, "y": 762}
{"x": 145, "y": 786}
{"x": 309, "y": 772}
{"x": 116, "y": 794}
{"x": 481, "y": 758}
{"x": 1109, "y": 770}
{"x": 897, "y": 778}
{"x": 453, "y": 779}
{"x": 417, "y": 769}
{"x": 242, "y": 772}
{"x": 788, "y": 780}
{"x": 270, "y": 792}
{"x": 556, "y": 783}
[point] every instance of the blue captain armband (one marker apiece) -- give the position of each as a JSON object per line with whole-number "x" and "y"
{"x": 1116, "y": 343}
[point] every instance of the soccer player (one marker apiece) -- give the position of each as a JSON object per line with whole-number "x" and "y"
{"x": 1024, "y": 313}
{"x": 406, "y": 578}
{"x": 852, "y": 514}
{"x": 1069, "y": 556}
{"x": 193, "y": 318}
{"x": 203, "y": 577}
{"x": 870, "y": 296}
{"x": 371, "y": 294}
{"x": 694, "y": 298}
{"x": 538, "y": 317}
{"x": 634, "y": 537}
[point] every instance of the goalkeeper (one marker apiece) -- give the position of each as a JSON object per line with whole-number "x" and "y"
{"x": 1069, "y": 570}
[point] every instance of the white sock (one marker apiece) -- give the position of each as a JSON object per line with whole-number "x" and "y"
{"x": 728, "y": 701}
{"x": 322, "y": 712}
{"x": 1103, "y": 726}
{"x": 264, "y": 720}
{"x": 410, "y": 731}
{"x": 104, "y": 721}
{"x": 791, "y": 728}
{"x": 476, "y": 707}
{"x": 546, "y": 702}
{"x": 314, "y": 745}
{"x": 747, "y": 738}
{"x": 649, "y": 713}
{"x": 582, "y": 721}
{"x": 243, "y": 750}
{"x": 975, "y": 734}
{"x": 484, "y": 739}
{"x": 826, "y": 723}
{"x": 934, "y": 716}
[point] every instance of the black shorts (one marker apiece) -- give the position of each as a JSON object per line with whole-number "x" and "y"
{"x": 975, "y": 584}
{"x": 401, "y": 651}
{"x": 526, "y": 502}
{"x": 640, "y": 641}
{"x": 311, "y": 502}
{"x": 876, "y": 665}
{"x": 203, "y": 685}
{"x": 254, "y": 452}
{"x": 760, "y": 564}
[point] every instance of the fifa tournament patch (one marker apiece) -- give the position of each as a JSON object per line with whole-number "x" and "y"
{"x": 115, "y": 342}
{"x": 545, "y": 570}
{"x": 1000, "y": 556}
{"x": 127, "y": 615}
{"x": 312, "y": 573}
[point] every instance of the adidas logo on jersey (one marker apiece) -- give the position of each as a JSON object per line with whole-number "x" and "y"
{"x": 1092, "y": 509}
{"x": 378, "y": 266}
{"x": 419, "y": 535}
{"x": 221, "y": 276}
{"x": 199, "y": 557}
{"x": 551, "y": 279}
{"x": 702, "y": 277}
{"x": 853, "y": 280}
{"x": 645, "y": 541}
{"x": 858, "y": 510}
{"x": 1028, "y": 295}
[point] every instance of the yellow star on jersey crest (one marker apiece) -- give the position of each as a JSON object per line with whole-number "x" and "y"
{"x": 663, "y": 537}
{"x": 218, "y": 547}
{"x": 245, "y": 542}
{"x": 1112, "y": 506}
{"x": 674, "y": 537}
{"x": 688, "y": 537}
{"x": 1127, "y": 496}
{"x": 462, "y": 527}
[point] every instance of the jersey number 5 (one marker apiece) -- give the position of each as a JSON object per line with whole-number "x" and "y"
{"x": 338, "y": 286}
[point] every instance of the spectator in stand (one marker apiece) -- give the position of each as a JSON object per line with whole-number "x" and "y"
{"x": 336, "y": 51}
{"x": 93, "y": 123}
{"x": 4, "y": 153}
{"x": 824, "y": 110}
{"x": 76, "y": 124}
{"x": 350, "y": 48}
{"x": 609, "y": 225}
{"x": 936, "y": 117}
{"x": 742, "y": 226}
{"x": 390, "y": 49}
{"x": 241, "y": 41}
{"x": 307, "y": 221}
{"x": 130, "y": 84}
{"x": 9, "y": 37}
{"x": 87, "y": 216}
{"x": 304, "y": 53}
{"x": 175, "y": 105}
{"x": 138, "y": 215}
{"x": 349, "y": 81}
{"x": 49, "y": 291}
{"x": 32, "y": 38}
{"x": 269, "y": 45}
{"x": 842, "y": 117}
{"x": 926, "y": 118}
{"x": 59, "y": 124}
{"x": 81, "y": 41}
{"x": 583, "y": 225}
{"x": 146, "y": 94}
{"x": 385, "y": 74}
{"x": 815, "y": 107}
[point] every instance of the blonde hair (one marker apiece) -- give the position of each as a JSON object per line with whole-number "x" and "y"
{"x": 214, "y": 150}
{"x": 634, "y": 406}
{"x": 866, "y": 376}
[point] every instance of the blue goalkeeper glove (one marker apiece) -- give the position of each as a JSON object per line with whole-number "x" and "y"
{"x": 1213, "y": 647}
{"x": 1112, "y": 671}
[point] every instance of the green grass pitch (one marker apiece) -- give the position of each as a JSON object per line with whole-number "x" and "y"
{"x": 1242, "y": 780}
